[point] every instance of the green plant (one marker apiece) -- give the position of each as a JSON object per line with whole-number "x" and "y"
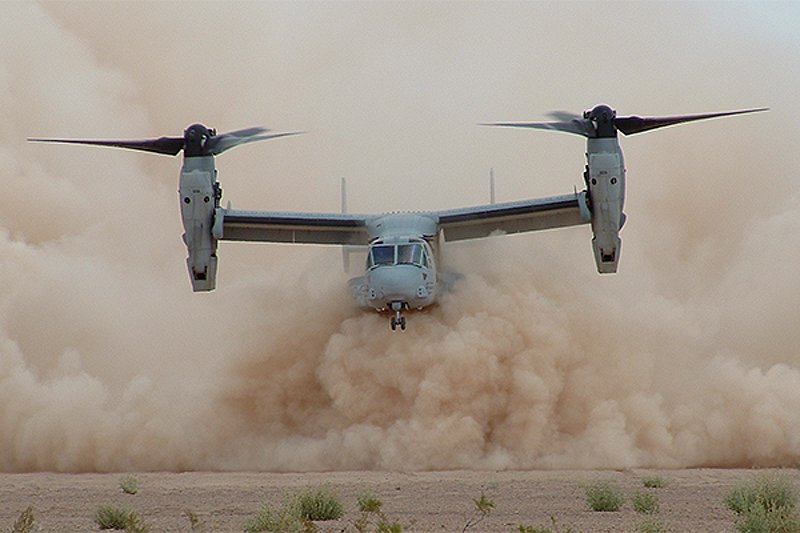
{"x": 769, "y": 519}
{"x": 483, "y": 507}
{"x": 196, "y": 524}
{"x": 645, "y": 502}
{"x": 765, "y": 504}
{"x": 370, "y": 507}
{"x": 129, "y": 484}
{"x": 307, "y": 526}
{"x": 603, "y": 495}
{"x": 298, "y": 512}
{"x": 320, "y": 503}
{"x": 385, "y": 526}
{"x": 135, "y": 525}
{"x": 765, "y": 490}
{"x": 651, "y": 525}
{"x": 654, "y": 482}
{"x": 108, "y": 516}
{"x": 368, "y": 502}
{"x": 266, "y": 519}
{"x": 26, "y": 522}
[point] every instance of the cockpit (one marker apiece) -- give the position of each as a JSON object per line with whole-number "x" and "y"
{"x": 411, "y": 253}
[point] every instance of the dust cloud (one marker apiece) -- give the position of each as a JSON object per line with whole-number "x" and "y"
{"x": 690, "y": 356}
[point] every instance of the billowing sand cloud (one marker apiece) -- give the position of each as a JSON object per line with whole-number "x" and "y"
{"x": 689, "y": 356}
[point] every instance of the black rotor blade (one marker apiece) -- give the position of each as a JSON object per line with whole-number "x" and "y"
{"x": 564, "y": 116}
{"x": 277, "y": 135}
{"x": 162, "y": 145}
{"x": 576, "y": 126}
{"x": 219, "y": 143}
{"x": 634, "y": 124}
{"x": 246, "y": 132}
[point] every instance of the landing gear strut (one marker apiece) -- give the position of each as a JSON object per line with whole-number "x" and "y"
{"x": 398, "y": 320}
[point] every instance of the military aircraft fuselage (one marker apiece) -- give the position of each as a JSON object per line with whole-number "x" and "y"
{"x": 401, "y": 264}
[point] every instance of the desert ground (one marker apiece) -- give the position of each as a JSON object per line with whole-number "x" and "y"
{"x": 691, "y": 500}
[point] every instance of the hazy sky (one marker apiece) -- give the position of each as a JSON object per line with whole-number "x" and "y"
{"x": 689, "y": 356}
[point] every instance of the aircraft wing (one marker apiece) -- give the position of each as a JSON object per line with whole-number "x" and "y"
{"x": 514, "y": 217}
{"x": 290, "y": 227}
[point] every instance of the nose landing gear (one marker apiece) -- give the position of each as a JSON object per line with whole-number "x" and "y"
{"x": 401, "y": 321}
{"x": 398, "y": 320}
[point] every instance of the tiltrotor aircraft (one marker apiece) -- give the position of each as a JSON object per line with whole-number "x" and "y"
{"x": 403, "y": 249}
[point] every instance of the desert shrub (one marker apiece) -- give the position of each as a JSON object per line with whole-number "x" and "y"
{"x": 653, "y": 482}
{"x": 766, "y": 490}
{"x": 531, "y": 529}
{"x": 129, "y": 484}
{"x": 765, "y": 504}
{"x": 108, "y": 516}
{"x": 603, "y": 495}
{"x": 368, "y": 502}
{"x": 196, "y": 524}
{"x": 298, "y": 512}
{"x": 320, "y": 503}
{"x": 483, "y": 507}
{"x": 286, "y": 518}
{"x": 651, "y": 525}
{"x": 26, "y": 523}
{"x": 645, "y": 502}
{"x": 769, "y": 519}
{"x": 384, "y": 526}
{"x": 371, "y": 515}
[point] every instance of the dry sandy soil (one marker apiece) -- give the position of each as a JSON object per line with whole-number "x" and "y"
{"x": 692, "y": 500}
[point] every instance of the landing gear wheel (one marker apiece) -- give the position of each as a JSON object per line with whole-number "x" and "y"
{"x": 398, "y": 320}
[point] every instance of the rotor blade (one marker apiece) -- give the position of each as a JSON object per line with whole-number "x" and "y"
{"x": 576, "y": 126}
{"x": 218, "y": 144}
{"x": 634, "y": 124}
{"x": 162, "y": 145}
{"x": 564, "y": 116}
{"x": 246, "y": 132}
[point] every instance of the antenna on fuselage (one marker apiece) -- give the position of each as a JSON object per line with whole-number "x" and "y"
{"x": 345, "y": 251}
{"x": 344, "y": 195}
{"x": 491, "y": 186}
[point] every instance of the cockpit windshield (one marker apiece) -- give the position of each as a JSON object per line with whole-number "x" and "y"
{"x": 401, "y": 254}
{"x": 410, "y": 254}
{"x": 381, "y": 255}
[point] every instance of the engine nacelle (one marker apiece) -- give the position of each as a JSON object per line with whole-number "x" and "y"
{"x": 199, "y": 197}
{"x": 605, "y": 179}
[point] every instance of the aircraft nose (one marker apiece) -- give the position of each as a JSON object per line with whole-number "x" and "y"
{"x": 398, "y": 283}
